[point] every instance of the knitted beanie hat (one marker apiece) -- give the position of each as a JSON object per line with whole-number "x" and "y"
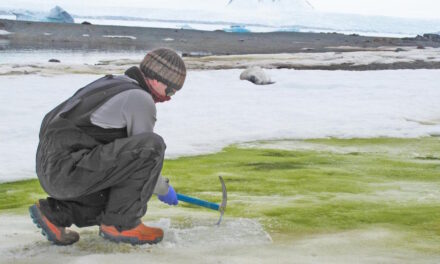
{"x": 166, "y": 66}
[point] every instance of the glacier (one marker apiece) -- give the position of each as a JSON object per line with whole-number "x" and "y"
{"x": 254, "y": 15}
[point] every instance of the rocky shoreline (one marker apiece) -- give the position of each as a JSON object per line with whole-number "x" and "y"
{"x": 48, "y": 62}
{"x": 222, "y": 50}
{"x": 37, "y": 35}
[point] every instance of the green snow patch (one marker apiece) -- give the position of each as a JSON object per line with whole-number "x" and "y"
{"x": 15, "y": 196}
{"x": 299, "y": 189}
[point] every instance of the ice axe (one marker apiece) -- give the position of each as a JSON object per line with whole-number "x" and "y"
{"x": 217, "y": 207}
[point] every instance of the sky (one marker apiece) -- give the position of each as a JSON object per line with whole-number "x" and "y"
{"x": 401, "y": 8}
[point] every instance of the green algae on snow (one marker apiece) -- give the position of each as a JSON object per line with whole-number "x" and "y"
{"x": 371, "y": 183}
{"x": 311, "y": 186}
{"x": 19, "y": 194}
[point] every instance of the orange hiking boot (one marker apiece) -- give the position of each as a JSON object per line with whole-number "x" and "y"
{"x": 140, "y": 234}
{"x": 55, "y": 234}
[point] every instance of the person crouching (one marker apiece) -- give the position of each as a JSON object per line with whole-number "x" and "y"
{"x": 99, "y": 159}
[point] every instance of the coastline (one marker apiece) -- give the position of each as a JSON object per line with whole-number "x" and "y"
{"x": 211, "y": 50}
{"x": 102, "y": 62}
{"x": 43, "y": 35}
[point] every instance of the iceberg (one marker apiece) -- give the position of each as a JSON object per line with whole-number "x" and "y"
{"x": 237, "y": 29}
{"x": 28, "y": 16}
{"x": 56, "y": 14}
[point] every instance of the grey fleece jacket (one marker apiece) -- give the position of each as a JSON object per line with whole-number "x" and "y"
{"x": 134, "y": 109}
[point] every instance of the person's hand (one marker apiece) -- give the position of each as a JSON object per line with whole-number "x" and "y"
{"x": 169, "y": 198}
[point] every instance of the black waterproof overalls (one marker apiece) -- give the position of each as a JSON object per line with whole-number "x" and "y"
{"x": 96, "y": 175}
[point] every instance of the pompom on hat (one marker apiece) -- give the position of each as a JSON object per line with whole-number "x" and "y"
{"x": 166, "y": 66}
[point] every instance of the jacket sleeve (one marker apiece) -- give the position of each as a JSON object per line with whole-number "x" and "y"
{"x": 162, "y": 185}
{"x": 139, "y": 112}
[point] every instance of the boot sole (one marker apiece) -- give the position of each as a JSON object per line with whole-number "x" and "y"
{"x": 131, "y": 240}
{"x": 37, "y": 218}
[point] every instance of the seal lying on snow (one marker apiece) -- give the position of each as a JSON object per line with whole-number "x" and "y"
{"x": 256, "y": 75}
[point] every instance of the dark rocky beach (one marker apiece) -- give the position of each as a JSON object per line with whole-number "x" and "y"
{"x": 41, "y": 35}
{"x": 19, "y": 35}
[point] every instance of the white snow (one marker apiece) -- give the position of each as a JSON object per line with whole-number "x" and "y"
{"x": 8, "y": 16}
{"x": 11, "y": 62}
{"x": 237, "y": 241}
{"x": 216, "y": 108}
{"x": 15, "y": 57}
{"x": 382, "y": 55}
{"x": 4, "y": 32}
{"x": 118, "y": 36}
{"x": 24, "y": 241}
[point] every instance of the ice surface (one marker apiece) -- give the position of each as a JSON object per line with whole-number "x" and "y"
{"x": 268, "y": 20}
{"x": 238, "y": 241}
{"x": 203, "y": 238}
{"x": 4, "y": 32}
{"x": 29, "y": 15}
{"x": 216, "y": 108}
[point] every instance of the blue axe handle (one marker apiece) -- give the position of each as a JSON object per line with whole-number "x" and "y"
{"x": 195, "y": 201}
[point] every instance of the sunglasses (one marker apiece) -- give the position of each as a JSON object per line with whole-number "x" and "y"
{"x": 170, "y": 91}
